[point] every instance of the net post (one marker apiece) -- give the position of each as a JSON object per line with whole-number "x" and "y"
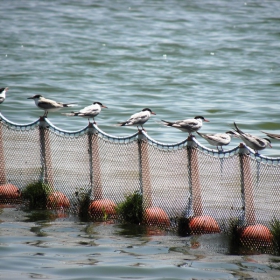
{"x": 46, "y": 158}
{"x": 193, "y": 167}
{"x": 94, "y": 162}
{"x": 247, "y": 185}
{"x": 3, "y": 177}
{"x": 145, "y": 179}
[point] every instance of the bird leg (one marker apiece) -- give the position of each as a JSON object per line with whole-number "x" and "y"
{"x": 143, "y": 128}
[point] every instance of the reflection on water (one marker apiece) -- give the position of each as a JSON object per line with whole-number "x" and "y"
{"x": 47, "y": 244}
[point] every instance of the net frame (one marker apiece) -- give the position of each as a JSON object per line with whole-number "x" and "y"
{"x": 72, "y": 162}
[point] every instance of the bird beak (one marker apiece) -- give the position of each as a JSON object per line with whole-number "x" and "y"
{"x": 103, "y": 106}
{"x": 153, "y": 113}
{"x": 270, "y": 146}
{"x": 30, "y": 97}
{"x": 206, "y": 120}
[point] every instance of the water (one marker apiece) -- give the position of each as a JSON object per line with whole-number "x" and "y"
{"x": 44, "y": 245}
{"x": 218, "y": 59}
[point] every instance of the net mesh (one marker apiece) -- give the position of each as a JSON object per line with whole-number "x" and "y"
{"x": 179, "y": 181}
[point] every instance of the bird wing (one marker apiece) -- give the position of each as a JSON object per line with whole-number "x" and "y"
{"x": 48, "y": 103}
{"x": 272, "y": 135}
{"x": 222, "y": 138}
{"x": 138, "y": 118}
{"x": 261, "y": 142}
{"x": 253, "y": 142}
{"x": 216, "y": 139}
{"x": 90, "y": 110}
{"x": 188, "y": 124}
{"x": 237, "y": 129}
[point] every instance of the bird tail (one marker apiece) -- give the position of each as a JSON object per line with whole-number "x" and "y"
{"x": 166, "y": 123}
{"x": 70, "y": 114}
{"x": 237, "y": 129}
{"x": 233, "y": 133}
{"x": 200, "y": 134}
{"x": 122, "y": 123}
{"x": 271, "y": 135}
{"x": 69, "y": 105}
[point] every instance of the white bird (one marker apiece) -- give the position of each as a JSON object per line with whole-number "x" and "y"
{"x": 188, "y": 125}
{"x": 218, "y": 139}
{"x": 48, "y": 105}
{"x": 138, "y": 119}
{"x": 88, "y": 112}
{"x": 3, "y": 92}
{"x": 252, "y": 141}
{"x": 272, "y": 135}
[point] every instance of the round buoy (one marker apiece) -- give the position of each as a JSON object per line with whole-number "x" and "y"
{"x": 203, "y": 225}
{"x": 58, "y": 200}
{"x": 257, "y": 233}
{"x": 9, "y": 191}
{"x": 156, "y": 216}
{"x": 102, "y": 207}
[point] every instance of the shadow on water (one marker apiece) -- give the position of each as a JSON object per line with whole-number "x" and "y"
{"x": 43, "y": 216}
{"x": 131, "y": 230}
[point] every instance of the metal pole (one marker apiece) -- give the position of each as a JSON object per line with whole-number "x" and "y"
{"x": 247, "y": 185}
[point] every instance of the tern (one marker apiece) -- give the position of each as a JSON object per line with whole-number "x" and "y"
{"x": 188, "y": 125}
{"x": 271, "y": 135}
{"x": 252, "y": 141}
{"x": 3, "y": 92}
{"x": 218, "y": 139}
{"x": 88, "y": 112}
{"x": 48, "y": 105}
{"x": 138, "y": 119}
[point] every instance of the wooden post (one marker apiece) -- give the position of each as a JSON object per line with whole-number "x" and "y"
{"x": 46, "y": 152}
{"x": 195, "y": 188}
{"x": 247, "y": 185}
{"x": 94, "y": 159}
{"x": 3, "y": 177}
{"x": 145, "y": 171}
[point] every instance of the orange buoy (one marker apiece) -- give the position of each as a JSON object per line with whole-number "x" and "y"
{"x": 102, "y": 207}
{"x": 58, "y": 200}
{"x": 203, "y": 225}
{"x": 9, "y": 191}
{"x": 257, "y": 233}
{"x": 156, "y": 216}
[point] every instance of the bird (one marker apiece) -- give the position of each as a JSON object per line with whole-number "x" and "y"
{"x": 48, "y": 105}
{"x": 272, "y": 135}
{"x": 138, "y": 119}
{"x": 217, "y": 139}
{"x": 90, "y": 111}
{"x": 3, "y": 92}
{"x": 252, "y": 141}
{"x": 188, "y": 125}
